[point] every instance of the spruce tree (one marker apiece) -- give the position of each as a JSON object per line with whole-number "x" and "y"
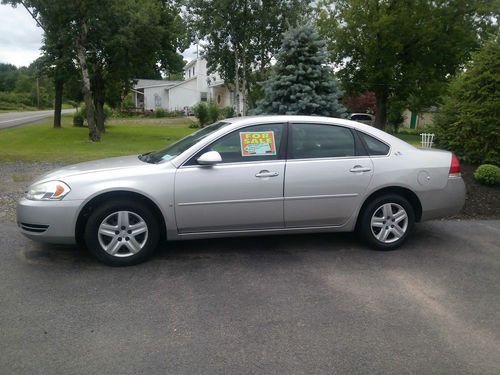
{"x": 301, "y": 82}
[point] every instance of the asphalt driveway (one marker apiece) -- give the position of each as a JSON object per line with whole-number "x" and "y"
{"x": 312, "y": 304}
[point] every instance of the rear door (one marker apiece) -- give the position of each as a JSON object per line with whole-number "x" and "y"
{"x": 327, "y": 174}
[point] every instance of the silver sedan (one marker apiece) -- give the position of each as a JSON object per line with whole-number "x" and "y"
{"x": 246, "y": 176}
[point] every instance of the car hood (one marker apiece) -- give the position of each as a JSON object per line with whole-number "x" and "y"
{"x": 103, "y": 165}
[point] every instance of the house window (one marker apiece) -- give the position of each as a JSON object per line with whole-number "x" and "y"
{"x": 219, "y": 99}
{"x": 203, "y": 96}
{"x": 157, "y": 101}
{"x": 193, "y": 71}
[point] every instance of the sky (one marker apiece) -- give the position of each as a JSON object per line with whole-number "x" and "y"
{"x": 21, "y": 38}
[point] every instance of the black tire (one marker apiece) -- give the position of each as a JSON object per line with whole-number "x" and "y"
{"x": 136, "y": 210}
{"x": 365, "y": 225}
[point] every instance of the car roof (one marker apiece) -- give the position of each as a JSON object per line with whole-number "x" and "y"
{"x": 240, "y": 122}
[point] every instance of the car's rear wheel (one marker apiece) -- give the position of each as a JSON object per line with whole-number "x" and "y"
{"x": 386, "y": 222}
{"x": 122, "y": 233}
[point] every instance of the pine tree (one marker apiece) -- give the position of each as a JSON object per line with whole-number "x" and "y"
{"x": 301, "y": 82}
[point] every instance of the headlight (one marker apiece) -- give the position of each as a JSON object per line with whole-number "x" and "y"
{"x": 48, "y": 191}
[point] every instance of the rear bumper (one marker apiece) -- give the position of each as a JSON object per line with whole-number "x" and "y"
{"x": 48, "y": 221}
{"x": 445, "y": 202}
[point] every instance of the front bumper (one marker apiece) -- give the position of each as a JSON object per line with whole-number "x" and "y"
{"x": 48, "y": 221}
{"x": 444, "y": 202}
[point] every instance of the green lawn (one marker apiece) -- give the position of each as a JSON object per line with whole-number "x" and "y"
{"x": 413, "y": 139}
{"x": 41, "y": 142}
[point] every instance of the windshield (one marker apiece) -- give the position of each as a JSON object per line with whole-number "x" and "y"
{"x": 177, "y": 148}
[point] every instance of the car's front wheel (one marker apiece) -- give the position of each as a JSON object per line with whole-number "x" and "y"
{"x": 122, "y": 233}
{"x": 386, "y": 222}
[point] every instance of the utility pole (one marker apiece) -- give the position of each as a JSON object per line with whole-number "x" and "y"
{"x": 38, "y": 92}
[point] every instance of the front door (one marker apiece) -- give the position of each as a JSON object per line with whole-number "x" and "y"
{"x": 243, "y": 192}
{"x": 326, "y": 176}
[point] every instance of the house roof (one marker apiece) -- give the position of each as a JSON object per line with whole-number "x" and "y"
{"x": 144, "y": 83}
{"x": 189, "y": 64}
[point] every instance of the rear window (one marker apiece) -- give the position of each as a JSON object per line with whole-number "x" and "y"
{"x": 374, "y": 146}
{"x": 361, "y": 118}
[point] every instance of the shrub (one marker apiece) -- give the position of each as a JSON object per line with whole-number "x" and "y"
{"x": 78, "y": 119}
{"x": 160, "y": 112}
{"x": 487, "y": 174}
{"x": 108, "y": 112}
{"x": 213, "y": 112}
{"x": 200, "y": 110}
{"x": 128, "y": 102}
{"x": 468, "y": 121}
{"x": 11, "y": 100}
{"x": 228, "y": 112}
{"x": 176, "y": 113}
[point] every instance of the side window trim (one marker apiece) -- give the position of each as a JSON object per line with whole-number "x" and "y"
{"x": 281, "y": 154}
{"x": 359, "y": 149}
{"x": 359, "y": 132}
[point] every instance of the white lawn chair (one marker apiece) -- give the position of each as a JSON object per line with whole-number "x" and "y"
{"x": 427, "y": 140}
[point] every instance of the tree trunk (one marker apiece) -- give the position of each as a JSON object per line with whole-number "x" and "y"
{"x": 98, "y": 85}
{"x": 381, "y": 110}
{"x": 58, "y": 86}
{"x": 94, "y": 134}
{"x": 99, "y": 116}
{"x": 244, "y": 86}
{"x": 236, "y": 82}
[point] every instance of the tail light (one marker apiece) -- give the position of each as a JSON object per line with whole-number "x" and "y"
{"x": 455, "y": 166}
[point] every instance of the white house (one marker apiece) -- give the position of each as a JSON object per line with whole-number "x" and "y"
{"x": 197, "y": 86}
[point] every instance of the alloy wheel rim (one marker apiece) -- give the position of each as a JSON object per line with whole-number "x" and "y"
{"x": 389, "y": 222}
{"x": 123, "y": 234}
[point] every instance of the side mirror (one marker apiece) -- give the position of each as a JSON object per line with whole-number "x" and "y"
{"x": 209, "y": 158}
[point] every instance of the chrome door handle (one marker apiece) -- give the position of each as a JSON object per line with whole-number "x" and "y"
{"x": 266, "y": 173}
{"x": 359, "y": 168}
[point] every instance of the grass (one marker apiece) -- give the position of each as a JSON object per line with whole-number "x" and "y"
{"x": 41, "y": 142}
{"x": 413, "y": 139}
{"x": 124, "y": 136}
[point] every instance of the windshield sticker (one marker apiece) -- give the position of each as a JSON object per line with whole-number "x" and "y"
{"x": 257, "y": 143}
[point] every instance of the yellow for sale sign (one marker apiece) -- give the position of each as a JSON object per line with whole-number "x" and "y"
{"x": 257, "y": 143}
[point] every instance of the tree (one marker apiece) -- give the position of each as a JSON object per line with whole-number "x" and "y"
{"x": 301, "y": 82}
{"x": 56, "y": 59}
{"x": 364, "y": 102}
{"x": 469, "y": 119}
{"x": 110, "y": 41}
{"x": 8, "y": 77}
{"x": 240, "y": 36}
{"x": 401, "y": 50}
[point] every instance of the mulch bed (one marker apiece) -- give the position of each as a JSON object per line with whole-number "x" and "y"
{"x": 481, "y": 202}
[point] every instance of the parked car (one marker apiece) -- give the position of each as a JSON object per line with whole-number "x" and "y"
{"x": 364, "y": 118}
{"x": 324, "y": 175}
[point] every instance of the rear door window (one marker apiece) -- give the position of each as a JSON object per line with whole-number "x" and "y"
{"x": 320, "y": 141}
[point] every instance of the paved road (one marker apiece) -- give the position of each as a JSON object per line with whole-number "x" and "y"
{"x": 11, "y": 119}
{"x": 310, "y": 304}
